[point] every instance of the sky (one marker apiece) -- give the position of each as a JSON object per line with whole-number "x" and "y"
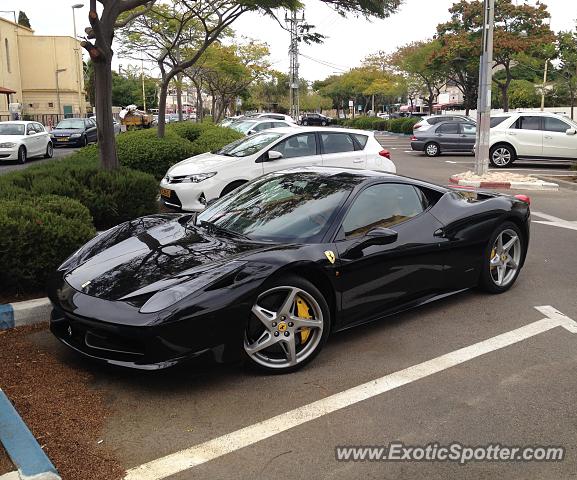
{"x": 348, "y": 41}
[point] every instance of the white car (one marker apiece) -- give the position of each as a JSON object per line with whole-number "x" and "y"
{"x": 532, "y": 135}
{"x": 274, "y": 116}
{"x": 191, "y": 184}
{"x": 429, "y": 121}
{"x": 23, "y": 140}
{"x": 249, "y": 127}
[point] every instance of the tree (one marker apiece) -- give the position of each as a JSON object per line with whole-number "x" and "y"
{"x": 269, "y": 93}
{"x": 519, "y": 30}
{"x": 523, "y": 94}
{"x": 23, "y": 19}
{"x": 567, "y": 54}
{"x": 115, "y": 14}
{"x": 415, "y": 60}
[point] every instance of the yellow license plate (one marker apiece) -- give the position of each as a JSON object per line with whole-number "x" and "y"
{"x": 165, "y": 192}
{"x": 62, "y": 139}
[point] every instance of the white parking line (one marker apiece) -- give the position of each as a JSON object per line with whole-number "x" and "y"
{"x": 212, "y": 449}
{"x": 554, "y": 221}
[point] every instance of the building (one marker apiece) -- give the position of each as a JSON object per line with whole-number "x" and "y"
{"x": 41, "y": 76}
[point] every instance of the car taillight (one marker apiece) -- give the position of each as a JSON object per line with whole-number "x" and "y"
{"x": 385, "y": 153}
{"x": 524, "y": 198}
{"x": 413, "y": 138}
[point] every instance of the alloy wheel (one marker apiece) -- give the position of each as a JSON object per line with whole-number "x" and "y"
{"x": 505, "y": 258}
{"x": 285, "y": 328}
{"x": 501, "y": 157}
{"x": 432, "y": 150}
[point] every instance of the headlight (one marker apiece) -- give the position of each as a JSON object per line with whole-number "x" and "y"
{"x": 165, "y": 298}
{"x": 7, "y": 145}
{"x": 199, "y": 177}
{"x": 75, "y": 135}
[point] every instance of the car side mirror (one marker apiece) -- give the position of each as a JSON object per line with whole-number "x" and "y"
{"x": 250, "y": 132}
{"x": 571, "y": 131}
{"x": 274, "y": 155}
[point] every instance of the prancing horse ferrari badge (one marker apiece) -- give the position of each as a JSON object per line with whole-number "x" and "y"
{"x": 330, "y": 255}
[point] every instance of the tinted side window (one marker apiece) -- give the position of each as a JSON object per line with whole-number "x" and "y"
{"x": 434, "y": 121}
{"x": 528, "y": 123}
{"x": 262, "y": 126}
{"x": 301, "y": 145}
{"x": 497, "y": 121}
{"x": 39, "y": 128}
{"x": 448, "y": 128}
{"x": 555, "y": 125}
{"x": 337, "y": 142}
{"x": 383, "y": 205}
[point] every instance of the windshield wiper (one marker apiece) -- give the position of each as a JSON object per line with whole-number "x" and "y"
{"x": 222, "y": 230}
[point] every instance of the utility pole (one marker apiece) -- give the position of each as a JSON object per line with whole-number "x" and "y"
{"x": 485, "y": 86}
{"x": 293, "y": 22}
{"x": 143, "y": 89}
{"x": 544, "y": 85}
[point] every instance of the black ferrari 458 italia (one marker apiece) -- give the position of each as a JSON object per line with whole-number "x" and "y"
{"x": 271, "y": 269}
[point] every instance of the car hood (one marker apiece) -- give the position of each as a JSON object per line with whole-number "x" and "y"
{"x": 206, "y": 162}
{"x": 11, "y": 138}
{"x": 149, "y": 254}
{"x": 66, "y": 131}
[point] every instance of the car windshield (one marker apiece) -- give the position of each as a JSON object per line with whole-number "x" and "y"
{"x": 248, "y": 146}
{"x": 70, "y": 123}
{"x": 11, "y": 129}
{"x": 244, "y": 127}
{"x": 289, "y": 207}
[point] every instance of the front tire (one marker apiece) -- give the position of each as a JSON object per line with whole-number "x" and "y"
{"x": 305, "y": 123}
{"x": 288, "y": 326}
{"x": 49, "y": 150}
{"x": 432, "y": 149}
{"x": 84, "y": 141}
{"x": 22, "y": 155}
{"x": 502, "y": 156}
{"x": 503, "y": 257}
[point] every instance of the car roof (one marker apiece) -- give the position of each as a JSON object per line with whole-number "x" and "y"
{"x": 18, "y": 122}
{"x": 299, "y": 129}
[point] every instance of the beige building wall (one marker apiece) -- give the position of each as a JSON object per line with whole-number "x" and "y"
{"x": 29, "y": 67}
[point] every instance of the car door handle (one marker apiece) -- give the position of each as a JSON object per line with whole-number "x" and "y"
{"x": 357, "y": 160}
{"x": 548, "y": 138}
{"x": 512, "y": 134}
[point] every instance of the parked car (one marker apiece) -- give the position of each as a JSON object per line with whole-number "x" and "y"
{"x": 429, "y": 121}
{"x": 269, "y": 272}
{"x": 228, "y": 121}
{"x": 532, "y": 135}
{"x": 315, "y": 119}
{"x": 445, "y": 137}
{"x": 77, "y": 132}
{"x": 383, "y": 115}
{"x": 191, "y": 184}
{"x": 274, "y": 116}
{"x": 249, "y": 127}
{"x": 23, "y": 140}
{"x": 116, "y": 126}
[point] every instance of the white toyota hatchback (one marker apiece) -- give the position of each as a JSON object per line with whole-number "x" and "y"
{"x": 191, "y": 184}
{"x": 530, "y": 136}
{"x": 22, "y": 140}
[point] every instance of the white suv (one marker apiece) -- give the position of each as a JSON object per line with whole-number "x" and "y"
{"x": 533, "y": 135}
{"x": 191, "y": 184}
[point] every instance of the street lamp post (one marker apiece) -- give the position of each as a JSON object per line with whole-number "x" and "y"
{"x": 58, "y": 71}
{"x": 485, "y": 86}
{"x": 77, "y": 50}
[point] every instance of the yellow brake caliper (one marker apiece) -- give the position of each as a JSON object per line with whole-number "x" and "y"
{"x": 493, "y": 252}
{"x": 303, "y": 312}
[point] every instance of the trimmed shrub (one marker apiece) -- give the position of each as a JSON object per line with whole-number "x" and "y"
{"x": 37, "y": 235}
{"x": 212, "y": 138}
{"x": 111, "y": 197}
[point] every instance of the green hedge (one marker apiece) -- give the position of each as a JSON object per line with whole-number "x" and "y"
{"x": 395, "y": 125}
{"x": 37, "y": 235}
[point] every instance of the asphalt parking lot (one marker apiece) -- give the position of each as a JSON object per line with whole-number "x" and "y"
{"x": 520, "y": 393}
{"x": 59, "y": 153}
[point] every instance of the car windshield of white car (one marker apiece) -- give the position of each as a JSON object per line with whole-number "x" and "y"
{"x": 70, "y": 123}
{"x": 281, "y": 207}
{"x": 11, "y": 129}
{"x": 248, "y": 146}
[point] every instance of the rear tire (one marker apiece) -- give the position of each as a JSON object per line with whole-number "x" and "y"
{"x": 291, "y": 345}
{"x": 502, "y": 156}
{"x": 305, "y": 123}
{"x": 432, "y": 149}
{"x": 49, "y": 150}
{"x": 22, "y": 155}
{"x": 503, "y": 258}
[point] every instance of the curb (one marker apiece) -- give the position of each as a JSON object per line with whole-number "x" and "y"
{"x": 537, "y": 185}
{"x": 21, "y": 446}
{"x": 562, "y": 183}
{"x": 24, "y": 313}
